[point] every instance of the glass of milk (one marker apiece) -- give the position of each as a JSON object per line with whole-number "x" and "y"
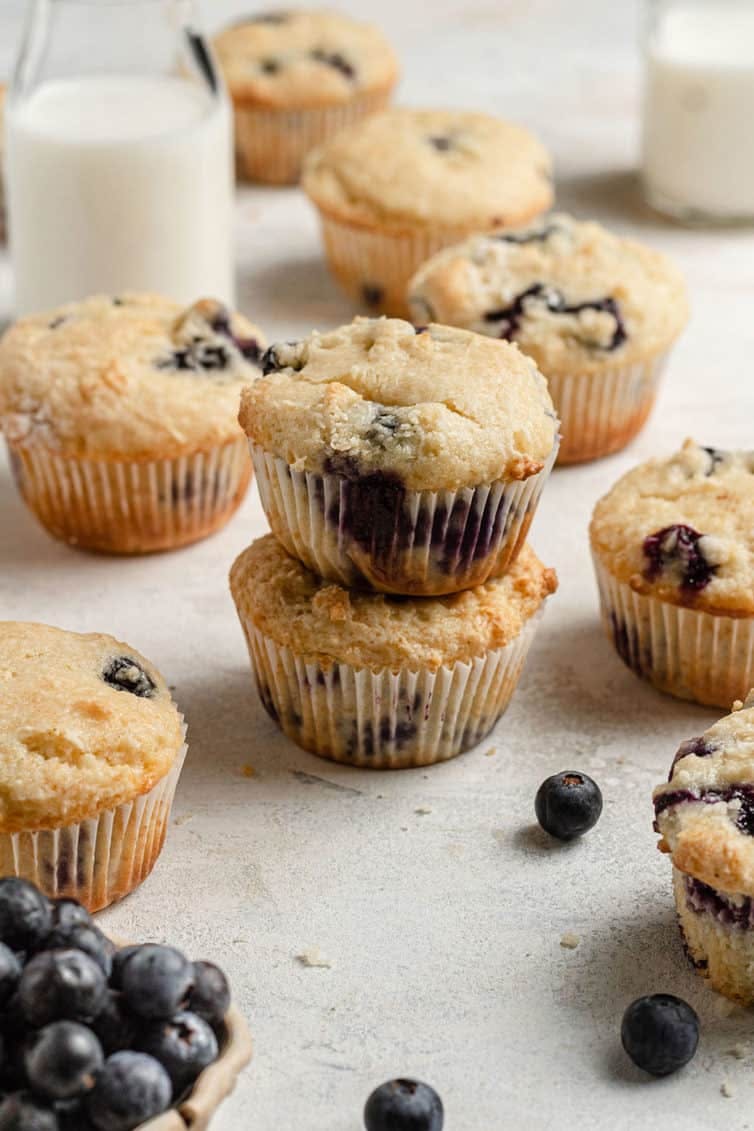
{"x": 119, "y": 157}
{"x": 698, "y": 136}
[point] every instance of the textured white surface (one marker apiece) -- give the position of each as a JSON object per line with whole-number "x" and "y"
{"x": 438, "y": 906}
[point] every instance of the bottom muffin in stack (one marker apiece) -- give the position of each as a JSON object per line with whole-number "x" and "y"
{"x": 705, "y": 815}
{"x": 380, "y": 681}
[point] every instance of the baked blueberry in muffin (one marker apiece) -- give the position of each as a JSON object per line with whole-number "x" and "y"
{"x": 120, "y": 414}
{"x": 596, "y": 312}
{"x": 705, "y": 815}
{"x": 411, "y": 463}
{"x": 673, "y": 545}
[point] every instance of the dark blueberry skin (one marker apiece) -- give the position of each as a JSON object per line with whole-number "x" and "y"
{"x": 697, "y": 746}
{"x": 63, "y": 1061}
{"x": 708, "y": 901}
{"x": 21, "y": 1112}
{"x": 120, "y": 958}
{"x": 115, "y": 1026}
{"x": 184, "y": 1046}
{"x": 743, "y": 794}
{"x": 61, "y": 985}
{"x": 124, "y": 673}
{"x": 25, "y": 914}
{"x": 210, "y": 996}
{"x": 510, "y": 317}
{"x": 271, "y": 362}
{"x": 441, "y": 143}
{"x": 68, "y": 913}
{"x": 156, "y": 981}
{"x": 660, "y": 1033}
{"x": 678, "y": 545}
{"x": 404, "y": 1105}
{"x": 10, "y": 974}
{"x": 335, "y": 60}
{"x": 372, "y": 294}
{"x": 527, "y": 237}
{"x": 130, "y": 1089}
{"x": 568, "y": 805}
{"x": 85, "y": 937}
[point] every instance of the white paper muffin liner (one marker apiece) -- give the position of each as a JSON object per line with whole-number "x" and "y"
{"x": 420, "y": 543}
{"x": 685, "y": 652}
{"x": 213, "y": 1086}
{"x": 374, "y": 266}
{"x": 271, "y": 144}
{"x": 386, "y": 720}
{"x": 99, "y": 860}
{"x": 602, "y": 412}
{"x": 132, "y": 507}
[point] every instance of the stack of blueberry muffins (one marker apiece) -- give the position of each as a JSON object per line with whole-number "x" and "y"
{"x": 389, "y": 615}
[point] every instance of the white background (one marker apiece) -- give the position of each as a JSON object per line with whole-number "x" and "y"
{"x": 443, "y": 930}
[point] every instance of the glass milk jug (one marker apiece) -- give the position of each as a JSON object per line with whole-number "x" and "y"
{"x": 698, "y": 138}
{"x": 119, "y": 155}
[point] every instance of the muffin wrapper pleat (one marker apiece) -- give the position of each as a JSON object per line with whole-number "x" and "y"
{"x": 685, "y": 652}
{"x": 271, "y": 145}
{"x": 420, "y": 543}
{"x": 602, "y": 412}
{"x": 99, "y": 860}
{"x": 385, "y": 720}
{"x": 374, "y": 267}
{"x": 132, "y": 507}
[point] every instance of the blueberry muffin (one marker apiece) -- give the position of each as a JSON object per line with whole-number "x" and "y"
{"x": 91, "y": 747}
{"x": 120, "y": 415}
{"x": 673, "y": 546}
{"x": 395, "y": 189}
{"x": 705, "y": 815}
{"x": 408, "y": 462}
{"x": 380, "y": 681}
{"x": 597, "y": 313}
{"x": 296, "y": 78}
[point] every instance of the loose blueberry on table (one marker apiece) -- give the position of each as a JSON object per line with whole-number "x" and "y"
{"x": 660, "y": 1033}
{"x": 404, "y": 1105}
{"x": 568, "y": 804}
{"x": 95, "y": 1038}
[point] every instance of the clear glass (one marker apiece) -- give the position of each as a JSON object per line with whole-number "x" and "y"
{"x": 119, "y": 155}
{"x": 698, "y": 142}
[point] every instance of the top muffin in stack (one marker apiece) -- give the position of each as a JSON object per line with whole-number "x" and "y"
{"x": 407, "y": 461}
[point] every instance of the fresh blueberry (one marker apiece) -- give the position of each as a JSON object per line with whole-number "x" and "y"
{"x": 61, "y": 985}
{"x": 21, "y": 1112}
{"x": 85, "y": 937}
{"x": 404, "y": 1105}
{"x": 678, "y": 545}
{"x": 568, "y": 804}
{"x": 185, "y": 1045}
{"x": 69, "y": 913}
{"x": 130, "y": 1089}
{"x": 210, "y": 996}
{"x": 156, "y": 981}
{"x": 114, "y": 1026}
{"x": 124, "y": 673}
{"x": 120, "y": 958}
{"x": 10, "y": 973}
{"x": 63, "y": 1061}
{"x": 660, "y": 1033}
{"x": 25, "y": 914}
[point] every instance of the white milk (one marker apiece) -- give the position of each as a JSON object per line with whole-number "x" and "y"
{"x": 699, "y": 110}
{"x": 120, "y": 183}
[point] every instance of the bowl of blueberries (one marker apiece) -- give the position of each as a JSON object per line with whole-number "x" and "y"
{"x": 100, "y": 1037}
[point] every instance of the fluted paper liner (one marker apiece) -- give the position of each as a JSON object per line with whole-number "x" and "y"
{"x": 271, "y": 145}
{"x": 132, "y": 507}
{"x": 442, "y": 541}
{"x": 685, "y": 652}
{"x": 386, "y": 720}
{"x": 99, "y": 860}
{"x": 602, "y": 412}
